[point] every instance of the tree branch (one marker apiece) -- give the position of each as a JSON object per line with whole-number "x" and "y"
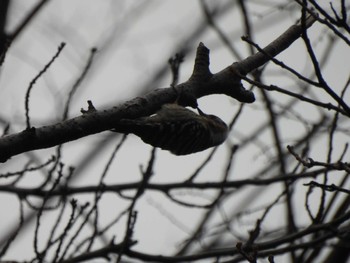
{"x": 201, "y": 83}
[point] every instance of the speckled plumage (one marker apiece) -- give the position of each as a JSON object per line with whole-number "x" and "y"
{"x": 177, "y": 129}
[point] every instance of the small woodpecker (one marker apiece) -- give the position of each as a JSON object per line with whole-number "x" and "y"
{"x": 177, "y": 129}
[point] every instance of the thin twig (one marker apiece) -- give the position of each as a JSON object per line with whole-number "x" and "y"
{"x": 60, "y": 48}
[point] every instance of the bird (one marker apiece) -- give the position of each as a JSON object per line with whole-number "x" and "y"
{"x": 177, "y": 129}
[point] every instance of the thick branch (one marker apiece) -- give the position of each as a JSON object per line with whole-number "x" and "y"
{"x": 273, "y": 49}
{"x": 201, "y": 83}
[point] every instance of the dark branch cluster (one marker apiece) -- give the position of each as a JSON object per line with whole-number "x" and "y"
{"x": 293, "y": 206}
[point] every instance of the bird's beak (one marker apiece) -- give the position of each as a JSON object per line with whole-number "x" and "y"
{"x": 201, "y": 112}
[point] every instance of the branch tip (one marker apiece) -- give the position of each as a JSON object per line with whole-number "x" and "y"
{"x": 201, "y": 65}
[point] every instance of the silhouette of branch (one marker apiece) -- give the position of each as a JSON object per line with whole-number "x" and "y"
{"x": 201, "y": 83}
